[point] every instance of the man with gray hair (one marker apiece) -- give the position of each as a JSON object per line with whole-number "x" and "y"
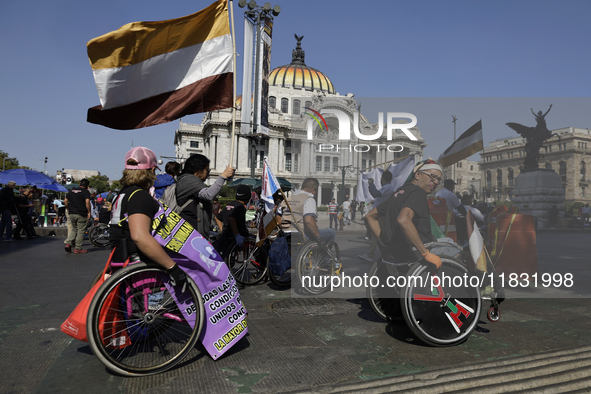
{"x": 7, "y": 204}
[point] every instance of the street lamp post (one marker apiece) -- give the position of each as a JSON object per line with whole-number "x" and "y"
{"x": 256, "y": 13}
{"x": 344, "y": 170}
{"x": 454, "y": 168}
{"x": 4, "y": 161}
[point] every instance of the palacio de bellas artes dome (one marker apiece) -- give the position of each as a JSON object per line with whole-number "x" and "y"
{"x": 291, "y": 155}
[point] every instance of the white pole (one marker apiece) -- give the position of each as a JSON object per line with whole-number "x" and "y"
{"x": 233, "y": 133}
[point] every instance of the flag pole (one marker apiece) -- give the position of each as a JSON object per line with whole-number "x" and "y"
{"x": 295, "y": 222}
{"x": 233, "y": 134}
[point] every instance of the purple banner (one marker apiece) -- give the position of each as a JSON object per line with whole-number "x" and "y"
{"x": 225, "y": 316}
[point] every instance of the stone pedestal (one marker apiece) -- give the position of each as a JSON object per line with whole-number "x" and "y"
{"x": 536, "y": 191}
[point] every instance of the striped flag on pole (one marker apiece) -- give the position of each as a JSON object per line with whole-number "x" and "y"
{"x": 148, "y": 73}
{"x": 470, "y": 142}
{"x": 475, "y": 243}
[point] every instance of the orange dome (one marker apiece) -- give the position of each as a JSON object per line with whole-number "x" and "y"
{"x": 298, "y": 75}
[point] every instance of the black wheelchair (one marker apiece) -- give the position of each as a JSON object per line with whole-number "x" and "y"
{"x": 441, "y": 307}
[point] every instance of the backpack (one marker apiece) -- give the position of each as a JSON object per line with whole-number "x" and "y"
{"x": 279, "y": 258}
{"x": 169, "y": 199}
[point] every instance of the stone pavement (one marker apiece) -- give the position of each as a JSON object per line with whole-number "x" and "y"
{"x": 294, "y": 344}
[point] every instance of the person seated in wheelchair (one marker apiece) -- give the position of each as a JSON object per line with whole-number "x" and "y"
{"x": 132, "y": 213}
{"x": 104, "y": 215}
{"x": 232, "y": 221}
{"x": 403, "y": 221}
{"x": 304, "y": 213}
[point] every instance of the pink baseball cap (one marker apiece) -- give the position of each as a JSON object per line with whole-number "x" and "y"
{"x": 145, "y": 158}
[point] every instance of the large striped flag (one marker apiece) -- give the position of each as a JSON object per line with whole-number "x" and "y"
{"x": 148, "y": 73}
{"x": 475, "y": 243}
{"x": 470, "y": 142}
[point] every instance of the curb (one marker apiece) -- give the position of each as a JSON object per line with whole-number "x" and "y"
{"x": 568, "y": 369}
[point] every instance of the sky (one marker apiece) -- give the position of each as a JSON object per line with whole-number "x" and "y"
{"x": 529, "y": 53}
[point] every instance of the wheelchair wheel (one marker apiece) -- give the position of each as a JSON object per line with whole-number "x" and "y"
{"x": 99, "y": 235}
{"x": 135, "y": 326}
{"x": 444, "y": 314}
{"x": 315, "y": 267}
{"x": 385, "y": 301}
{"x": 284, "y": 279}
{"x": 251, "y": 269}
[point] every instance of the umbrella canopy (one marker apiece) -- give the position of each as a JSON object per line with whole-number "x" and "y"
{"x": 252, "y": 182}
{"x": 283, "y": 183}
{"x": 25, "y": 177}
{"x": 54, "y": 186}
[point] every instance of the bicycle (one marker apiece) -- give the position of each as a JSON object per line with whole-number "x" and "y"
{"x": 138, "y": 324}
{"x": 439, "y": 313}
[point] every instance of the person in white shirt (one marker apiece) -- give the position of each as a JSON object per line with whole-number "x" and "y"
{"x": 478, "y": 216}
{"x": 347, "y": 210}
{"x": 452, "y": 201}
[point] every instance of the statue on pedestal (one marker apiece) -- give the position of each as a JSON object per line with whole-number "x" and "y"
{"x": 535, "y": 137}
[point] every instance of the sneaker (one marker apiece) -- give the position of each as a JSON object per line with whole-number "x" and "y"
{"x": 8, "y": 239}
{"x": 68, "y": 248}
{"x": 80, "y": 251}
{"x": 365, "y": 257}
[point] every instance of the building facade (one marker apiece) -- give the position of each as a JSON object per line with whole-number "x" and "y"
{"x": 568, "y": 153}
{"x": 467, "y": 176}
{"x": 68, "y": 176}
{"x": 298, "y": 146}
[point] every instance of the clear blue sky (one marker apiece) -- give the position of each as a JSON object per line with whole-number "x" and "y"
{"x": 527, "y": 48}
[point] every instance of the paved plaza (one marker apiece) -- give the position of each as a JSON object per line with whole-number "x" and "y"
{"x": 299, "y": 345}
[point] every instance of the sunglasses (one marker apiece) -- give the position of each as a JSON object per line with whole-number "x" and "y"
{"x": 433, "y": 177}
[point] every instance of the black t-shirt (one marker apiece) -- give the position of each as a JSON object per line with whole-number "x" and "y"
{"x": 23, "y": 200}
{"x": 235, "y": 210}
{"x": 7, "y": 199}
{"x": 131, "y": 200}
{"x": 410, "y": 196}
{"x": 77, "y": 201}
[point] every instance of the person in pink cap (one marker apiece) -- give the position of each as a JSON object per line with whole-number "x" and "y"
{"x": 135, "y": 203}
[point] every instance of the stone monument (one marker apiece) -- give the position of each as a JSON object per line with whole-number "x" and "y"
{"x": 537, "y": 189}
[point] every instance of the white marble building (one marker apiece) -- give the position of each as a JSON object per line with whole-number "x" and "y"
{"x": 290, "y": 153}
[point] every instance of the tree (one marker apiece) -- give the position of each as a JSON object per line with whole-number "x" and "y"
{"x": 9, "y": 164}
{"x": 99, "y": 182}
{"x": 115, "y": 186}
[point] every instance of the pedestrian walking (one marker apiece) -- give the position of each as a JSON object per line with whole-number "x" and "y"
{"x": 354, "y": 204}
{"x": 7, "y": 205}
{"x": 77, "y": 204}
{"x": 333, "y": 212}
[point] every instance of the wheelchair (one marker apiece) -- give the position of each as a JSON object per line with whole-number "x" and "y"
{"x": 314, "y": 266}
{"x": 138, "y": 324}
{"x": 98, "y": 235}
{"x": 441, "y": 307}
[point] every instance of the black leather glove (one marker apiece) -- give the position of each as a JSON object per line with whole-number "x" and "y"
{"x": 178, "y": 277}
